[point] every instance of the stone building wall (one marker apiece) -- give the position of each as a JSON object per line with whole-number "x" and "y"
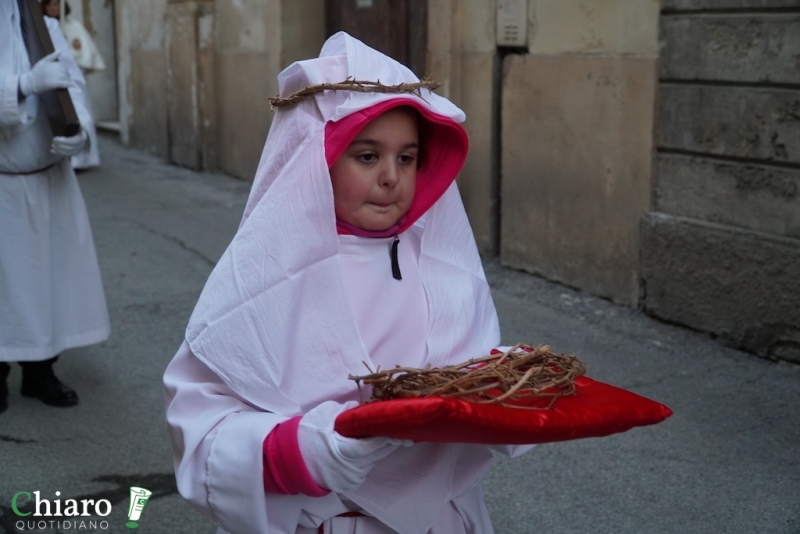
{"x": 721, "y": 246}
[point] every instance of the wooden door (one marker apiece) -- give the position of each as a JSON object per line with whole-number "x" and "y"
{"x": 398, "y": 28}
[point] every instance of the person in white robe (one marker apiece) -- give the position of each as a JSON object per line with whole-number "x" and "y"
{"x": 87, "y": 56}
{"x": 51, "y": 294}
{"x": 300, "y": 300}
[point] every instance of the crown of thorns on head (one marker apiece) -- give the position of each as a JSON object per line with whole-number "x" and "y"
{"x": 359, "y": 86}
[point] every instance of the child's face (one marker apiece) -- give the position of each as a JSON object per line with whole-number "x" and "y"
{"x": 374, "y": 180}
{"x": 53, "y": 9}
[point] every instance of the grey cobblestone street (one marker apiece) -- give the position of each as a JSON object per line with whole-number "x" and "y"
{"x": 727, "y": 461}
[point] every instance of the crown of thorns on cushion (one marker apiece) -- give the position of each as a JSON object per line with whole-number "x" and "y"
{"x": 504, "y": 378}
{"x": 359, "y": 86}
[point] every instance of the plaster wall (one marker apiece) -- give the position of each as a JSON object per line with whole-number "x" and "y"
{"x": 576, "y": 160}
{"x": 248, "y": 58}
{"x": 462, "y": 55}
{"x": 191, "y": 84}
{"x": 255, "y": 41}
{"x": 195, "y": 75}
{"x": 594, "y": 27}
{"x": 142, "y": 73}
{"x": 576, "y": 143}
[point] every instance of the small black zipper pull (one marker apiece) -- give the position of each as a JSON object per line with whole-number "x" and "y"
{"x": 395, "y": 264}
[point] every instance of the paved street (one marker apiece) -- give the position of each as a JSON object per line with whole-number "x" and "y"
{"x": 727, "y": 461}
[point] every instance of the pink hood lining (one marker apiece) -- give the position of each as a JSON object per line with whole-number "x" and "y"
{"x": 443, "y": 147}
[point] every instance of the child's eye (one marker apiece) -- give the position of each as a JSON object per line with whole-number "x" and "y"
{"x": 407, "y": 158}
{"x": 367, "y": 158}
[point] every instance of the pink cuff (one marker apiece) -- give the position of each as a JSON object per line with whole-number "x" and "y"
{"x": 285, "y": 471}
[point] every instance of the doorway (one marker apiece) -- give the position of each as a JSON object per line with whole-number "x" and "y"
{"x": 398, "y": 28}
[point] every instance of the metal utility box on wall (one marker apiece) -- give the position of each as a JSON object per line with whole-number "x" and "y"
{"x": 512, "y": 23}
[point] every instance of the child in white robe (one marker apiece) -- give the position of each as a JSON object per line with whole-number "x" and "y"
{"x": 354, "y": 248}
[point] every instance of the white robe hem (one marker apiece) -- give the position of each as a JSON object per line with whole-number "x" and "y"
{"x": 37, "y": 354}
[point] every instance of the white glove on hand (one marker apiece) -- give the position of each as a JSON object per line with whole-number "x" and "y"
{"x": 335, "y": 462}
{"x": 48, "y": 73}
{"x": 69, "y": 146}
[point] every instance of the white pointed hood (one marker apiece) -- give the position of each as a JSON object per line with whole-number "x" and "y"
{"x": 274, "y": 320}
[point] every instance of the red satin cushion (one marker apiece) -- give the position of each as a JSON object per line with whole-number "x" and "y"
{"x": 596, "y": 410}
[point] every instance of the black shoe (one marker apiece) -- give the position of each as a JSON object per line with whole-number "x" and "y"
{"x": 39, "y": 381}
{"x": 49, "y": 390}
{"x": 4, "y": 370}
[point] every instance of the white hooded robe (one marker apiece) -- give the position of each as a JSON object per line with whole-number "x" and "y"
{"x": 276, "y": 331}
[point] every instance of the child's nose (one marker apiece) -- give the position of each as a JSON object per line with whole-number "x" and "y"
{"x": 390, "y": 175}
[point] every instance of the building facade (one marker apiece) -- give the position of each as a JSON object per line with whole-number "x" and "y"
{"x": 644, "y": 151}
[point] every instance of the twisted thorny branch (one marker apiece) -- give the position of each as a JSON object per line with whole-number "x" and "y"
{"x": 360, "y": 86}
{"x": 521, "y": 372}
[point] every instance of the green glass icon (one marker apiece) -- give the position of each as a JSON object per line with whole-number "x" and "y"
{"x": 139, "y": 498}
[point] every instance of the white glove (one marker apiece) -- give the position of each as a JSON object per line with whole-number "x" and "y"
{"x": 335, "y": 462}
{"x": 48, "y": 73}
{"x": 69, "y": 146}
